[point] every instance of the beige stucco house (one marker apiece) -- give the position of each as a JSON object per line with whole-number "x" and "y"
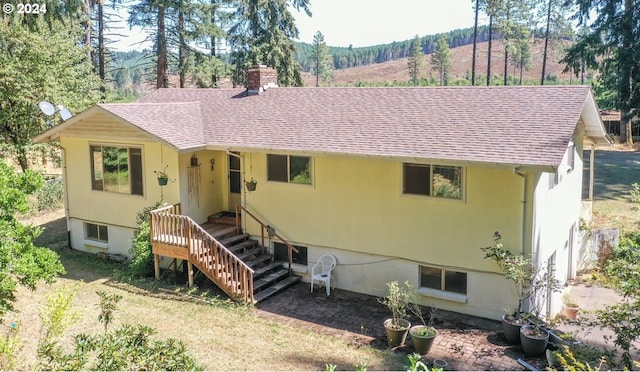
{"x": 397, "y": 183}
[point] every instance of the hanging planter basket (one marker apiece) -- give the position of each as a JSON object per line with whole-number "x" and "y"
{"x": 162, "y": 181}
{"x": 251, "y": 184}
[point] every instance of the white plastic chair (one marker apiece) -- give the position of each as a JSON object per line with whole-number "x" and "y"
{"x": 321, "y": 271}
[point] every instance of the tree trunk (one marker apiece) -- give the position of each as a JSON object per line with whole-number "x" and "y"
{"x": 162, "y": 75}
{"x": 101, "y": 52}
{"x": 626, "y": 63}
{"x": 546, "y": 44}
{"x": 475, "y": 44}
{"x": 489, "y": 50}
{"x": 182, "y": 49}
{"x": 87, "y": 29}
{"x": 506, "y": 64}
{"x": 214, "y": 75}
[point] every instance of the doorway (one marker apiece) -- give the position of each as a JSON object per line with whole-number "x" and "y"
{"x": 235, "y": 180}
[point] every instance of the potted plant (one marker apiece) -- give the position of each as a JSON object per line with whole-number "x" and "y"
{"x": 251, "y": 184}
{"x": 163, "y": 178}
{"x": 397, "y": 301}
{"x": 569, "y": 308}
{"x": 519, "y": 270}
{"x": 535, "y": 337}
{"x": 422, "y": 335}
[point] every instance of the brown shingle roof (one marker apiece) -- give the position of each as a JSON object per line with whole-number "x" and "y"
{"x": 178, "y": 123}
{"x": 511, "y": 126}
{"x": 524, "y": 125}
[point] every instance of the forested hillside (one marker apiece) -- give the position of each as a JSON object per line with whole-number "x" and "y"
{"x": 353, "y": 57}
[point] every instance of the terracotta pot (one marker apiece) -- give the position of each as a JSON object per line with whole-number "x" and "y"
{"x": 396, "y": 336}
{"x": 571, "y": 310}
{"x": 421, "y": 344}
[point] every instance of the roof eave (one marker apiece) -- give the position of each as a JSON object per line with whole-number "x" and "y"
{"x": 595, "y": 132}
{"x": 53, "y": 134}
{"x": 534, "y": 168}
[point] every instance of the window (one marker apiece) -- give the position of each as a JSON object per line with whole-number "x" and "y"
{"x": 571, "y": 157}
{"x": 96, "y": 232}
{"x": 553, "y": 180}
{"x": 116, "y": 169}
{"x": 443, "y": 280}
{"x": 234, "y": 175}
{"x": 289, "y": 168}
{"x": 280, "y": 253}
{"x": 432, "y": 180}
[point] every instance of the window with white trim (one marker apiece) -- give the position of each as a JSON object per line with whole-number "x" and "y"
{"x": 289, "y": 168}
{"x": 116, "y": 169}
{"x": 96, "y": 232}
{"x": 441, "y": 181}
{"x": 443, "y": 280}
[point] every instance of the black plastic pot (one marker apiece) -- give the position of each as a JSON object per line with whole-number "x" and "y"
{"x": 533, "y": 344}
{"x": 511, "y": 328}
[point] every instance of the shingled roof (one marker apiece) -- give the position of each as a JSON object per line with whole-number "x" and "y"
{"x": 515, "y": 125}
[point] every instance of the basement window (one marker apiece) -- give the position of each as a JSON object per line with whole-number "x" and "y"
{"x": 96, "y": 232}
{"x": 280, "y": 253}
{"x": 443, "y": 280}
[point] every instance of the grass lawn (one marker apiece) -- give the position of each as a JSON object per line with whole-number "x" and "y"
{"x": 616, "y": 169}
{"x": 221, "y": 335}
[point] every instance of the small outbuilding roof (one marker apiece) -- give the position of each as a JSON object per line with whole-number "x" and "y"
{"x": 514, "y": 125}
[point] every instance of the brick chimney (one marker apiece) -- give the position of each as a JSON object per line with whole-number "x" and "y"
{"x": 261, "y": 78}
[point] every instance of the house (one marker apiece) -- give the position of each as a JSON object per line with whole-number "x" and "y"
{"x": 398, "y": 183}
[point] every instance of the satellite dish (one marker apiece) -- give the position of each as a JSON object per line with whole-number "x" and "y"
{"x": 64, "y": 113}
{"x": 47, "y": 108}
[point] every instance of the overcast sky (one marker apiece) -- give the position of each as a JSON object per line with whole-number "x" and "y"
{"x": 366, "y": 22}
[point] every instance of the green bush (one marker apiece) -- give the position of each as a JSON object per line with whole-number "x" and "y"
{"x": 127, "y": 347}
{"x": 141, "y": 256}
{"x": 49, "y": 196}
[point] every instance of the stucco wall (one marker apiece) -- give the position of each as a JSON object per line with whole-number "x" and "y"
{"x": 202, "y": 189}
{"x": 558, "y": 219}
{"x": 356, "y": 210}
{"x": 117, "y": 210}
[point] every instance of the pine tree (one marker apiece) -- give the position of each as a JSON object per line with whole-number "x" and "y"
{"x": 475, "y": 42}
{"x": 153, "y": 14}
{"x": 323, "y": 63}
{"x": 415, "y": 60}
{"x": 263, "y": 31}
{"x": 48, "y": 65}
{"x": 614, "y": 40}
{"x": 441, "y": 60}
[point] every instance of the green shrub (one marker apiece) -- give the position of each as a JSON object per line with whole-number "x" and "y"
{"x": 49, "y": 196}
{"x": 141, "y": 256}
{"x": 635, "y": 192}
{"x": 127, "y": 347}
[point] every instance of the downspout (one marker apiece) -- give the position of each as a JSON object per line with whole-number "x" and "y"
{"x": 523, "y": 201}
{"x": 66, "y": 194}
{"x": 523, "y": 226}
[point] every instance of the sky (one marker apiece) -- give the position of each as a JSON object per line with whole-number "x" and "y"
{"x": 365, "y": 22}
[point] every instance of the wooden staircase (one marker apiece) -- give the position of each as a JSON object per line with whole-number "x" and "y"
{"x": 236, "y": 263}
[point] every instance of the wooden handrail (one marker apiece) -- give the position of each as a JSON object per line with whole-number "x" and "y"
{"x": 270, "y": 231}
{"x": 215, "y": 260}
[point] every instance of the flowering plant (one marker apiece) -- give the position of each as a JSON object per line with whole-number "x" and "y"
{"x": 518, "y": 269}
{"x": 530, "y": 283}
